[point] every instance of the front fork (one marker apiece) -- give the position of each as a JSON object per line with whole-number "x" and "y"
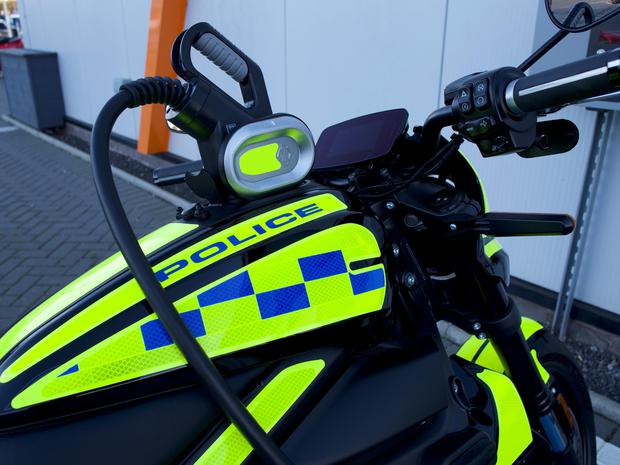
{"x": 502, "y": 324}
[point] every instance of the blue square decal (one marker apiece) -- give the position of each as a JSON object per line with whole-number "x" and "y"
{"x": 280, "y": 301}
{"x": 367, "y": 281}
{"x": 322, "y": 265}
{"x": 155, "y": 335}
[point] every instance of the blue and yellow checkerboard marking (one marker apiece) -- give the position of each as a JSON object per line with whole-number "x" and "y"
{"x": 233, "y": 288}
{"x": 155, "y": 335}
{"x": 284, "y": 300}
{"x": 367, "y": 281}
{"x": 270, "y": 303}
{"x": 322, "y": 265}
{"x": 315, "y": 267}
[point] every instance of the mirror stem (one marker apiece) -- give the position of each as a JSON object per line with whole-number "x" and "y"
{"x": 542, "y": 50}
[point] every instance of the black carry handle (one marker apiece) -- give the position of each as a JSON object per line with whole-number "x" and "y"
{"x": 583, "y": 79}
{"x": 524, "y": 224}
{"x": 219, "y": 50}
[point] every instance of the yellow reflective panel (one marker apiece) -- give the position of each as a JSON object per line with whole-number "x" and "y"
{"x": 260, "y": 160}
{"x": 544, "y": 374}
{"x": 86, "y": 283}
{"x": 514, "y": 433}
{"x": 529, "y": 327}
{"x": 193, "y": 258}
{"x": 492, "y": 247}
{"x": 268, "y": 407}
{"x": 468, "y": 350}
{"x": 304, "y": 286}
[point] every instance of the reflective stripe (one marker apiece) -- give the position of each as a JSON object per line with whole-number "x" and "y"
{"x": 492, "y": 247}
{"x": 514, "y": 433}
{"x": 529, "y": 327}
{"x": 130, "y": 293}
{"x": 233, "y": 319}
{"x": 268, "y": 407}
{"x": 488, "y": 356}
{"x": 544, "y": 374}
{"x": 86, "y": 283}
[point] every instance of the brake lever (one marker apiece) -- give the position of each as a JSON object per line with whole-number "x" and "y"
{"x": 517, "y": 224}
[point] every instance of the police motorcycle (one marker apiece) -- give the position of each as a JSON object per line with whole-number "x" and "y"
{"x": 289, "y": 316}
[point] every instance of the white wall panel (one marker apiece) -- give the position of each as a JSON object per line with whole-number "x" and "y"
{"x": 352, "y": 57}
{"x": 97, "y": 42}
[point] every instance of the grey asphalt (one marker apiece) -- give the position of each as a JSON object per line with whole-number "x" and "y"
{"x": 51, "y": 227}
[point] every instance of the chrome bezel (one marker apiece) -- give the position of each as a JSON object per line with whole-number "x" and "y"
{"x": 278, "y": 128}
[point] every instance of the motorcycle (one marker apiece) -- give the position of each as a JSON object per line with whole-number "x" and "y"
{"x": 290, "y": 315}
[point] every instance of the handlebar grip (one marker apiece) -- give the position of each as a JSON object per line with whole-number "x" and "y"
{"x": 590, "y": 77}
{"x": 222, "y": 55}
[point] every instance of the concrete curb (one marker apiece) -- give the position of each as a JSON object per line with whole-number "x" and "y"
{"x": 131, "y": 179}
{"x": 601, "y": 405}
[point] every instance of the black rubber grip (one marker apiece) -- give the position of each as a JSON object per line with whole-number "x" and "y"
{"x": 583, "y": 79}
{"x": 220, "y": 53}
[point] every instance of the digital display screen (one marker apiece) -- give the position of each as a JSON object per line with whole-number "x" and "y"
{"x": 360, "y": 139}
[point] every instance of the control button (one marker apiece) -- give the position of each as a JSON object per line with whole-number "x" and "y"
{"x": 481, "y": 94}
{"x": 485, "y": 146}
{"x": 477, "y": 127}
{"x": 471, "y": 129}
{"x": 486, "y": 124}
{"x": 481, "y": 88}
{"x": 500, "y": 144}
{"x": 481, "y": 102}
{"x": 464, "y": 100}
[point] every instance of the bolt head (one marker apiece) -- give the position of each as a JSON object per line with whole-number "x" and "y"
{"x": 452, "y": 227}
{"x": 409, "y": 280}
{"x": 477, "y": 326}
{"x": 482, "y": 336}
{"x": 395, "y": 250}
{"x": 390, "y": 205}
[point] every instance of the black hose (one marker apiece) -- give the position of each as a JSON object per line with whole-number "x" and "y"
{"x": 163, "y": 90}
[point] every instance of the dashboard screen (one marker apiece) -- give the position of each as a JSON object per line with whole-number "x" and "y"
{"x": 359, "y": 139}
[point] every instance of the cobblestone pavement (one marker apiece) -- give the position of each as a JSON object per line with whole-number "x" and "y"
{"x": 51, "y": 227}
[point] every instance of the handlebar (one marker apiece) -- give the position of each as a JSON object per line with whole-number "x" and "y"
{"x": 590, "y": 77}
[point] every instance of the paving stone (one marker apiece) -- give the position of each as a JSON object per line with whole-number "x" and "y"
{"x": 52, "y": 229}
{"x": 605, "y": 429}
{"x": 615, "y": 438}
{"x": 609, "y": 454}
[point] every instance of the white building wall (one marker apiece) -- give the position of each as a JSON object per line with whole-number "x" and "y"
{"x": 97, "y": 43}
{"x": 327, "y": 61}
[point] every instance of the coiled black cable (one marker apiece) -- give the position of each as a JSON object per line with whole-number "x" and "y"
{"x": 156, "y": 89}
{"x": 172, "y": 92}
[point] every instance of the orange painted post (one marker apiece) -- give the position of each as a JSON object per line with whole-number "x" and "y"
{"x": 167, "y": 21}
